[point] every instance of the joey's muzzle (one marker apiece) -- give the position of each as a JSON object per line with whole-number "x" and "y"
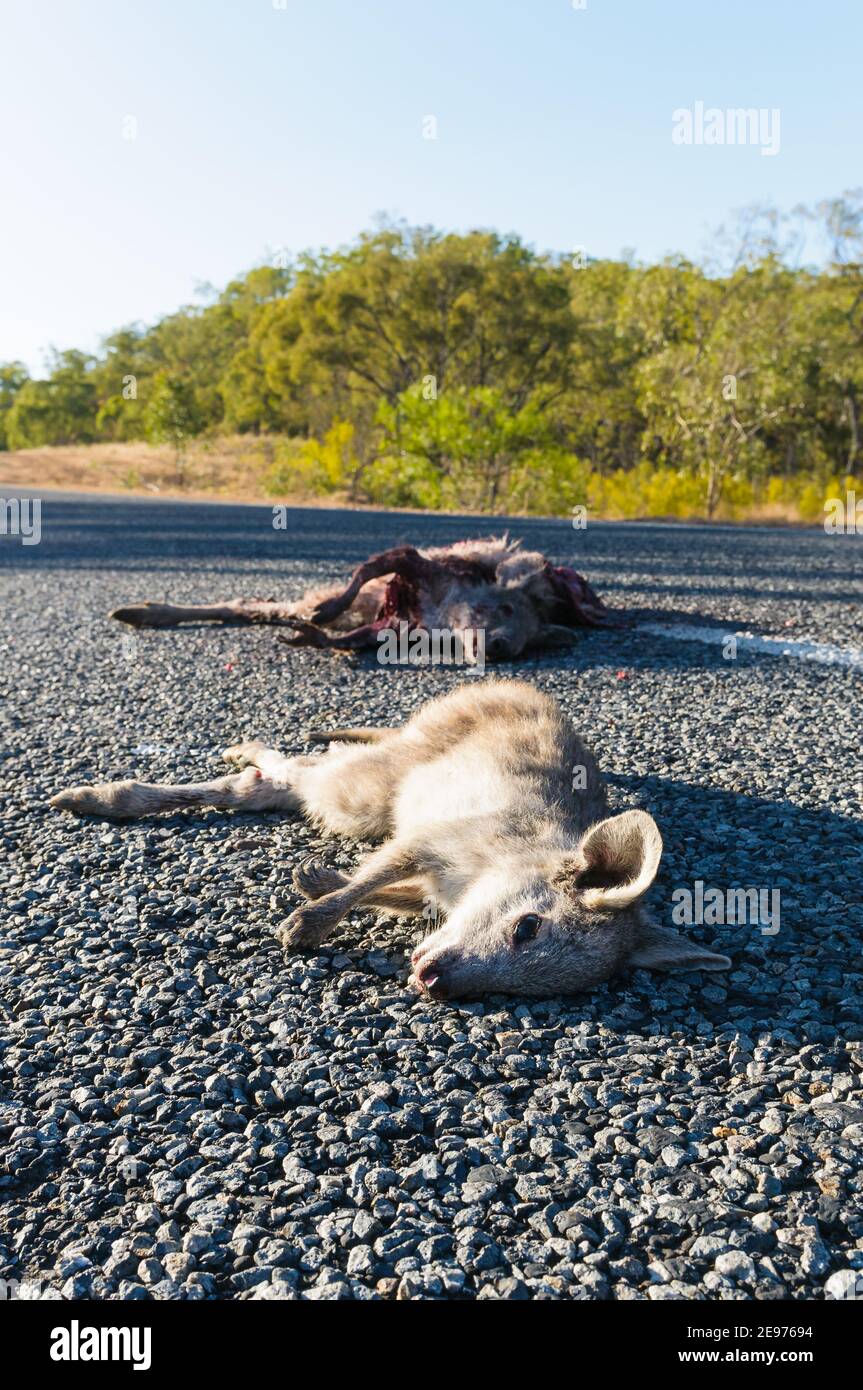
{"x": 433, "y": 974}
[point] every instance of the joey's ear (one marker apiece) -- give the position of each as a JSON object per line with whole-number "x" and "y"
{"x": 539, "y": 587}
{"x": 616, "y": 861}
{"x": 657, "y": 948}
{"x": 564, "y": 597}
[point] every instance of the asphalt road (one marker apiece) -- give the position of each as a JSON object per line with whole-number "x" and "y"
{"x": 186, "y": 1113}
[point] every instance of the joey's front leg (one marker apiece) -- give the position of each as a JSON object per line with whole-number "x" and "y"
{"x": 244, "y": 754}
{"x": 312, "y": 923}
{"x": 404, "y": 560}
{"x": 309, "y": 925}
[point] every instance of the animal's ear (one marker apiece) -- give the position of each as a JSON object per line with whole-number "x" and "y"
{"x": 564, "y": 597}
{"x": 540, "y": 589}
{"x": 657, "y": 948}
{"x": 616, "y": 861}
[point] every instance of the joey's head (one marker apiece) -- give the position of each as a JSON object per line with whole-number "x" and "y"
{"x": 512, "y": 618}
{"x": 560, "y": 924}
{"x": 506, "y": 617}
{"x": 519, "y": 617}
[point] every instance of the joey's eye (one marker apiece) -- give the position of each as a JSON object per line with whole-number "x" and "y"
{"x": 507, "y": 610}
{"x": 526, "y": 928}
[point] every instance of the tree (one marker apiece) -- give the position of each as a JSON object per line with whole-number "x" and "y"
{"x": 173, "y": 415}
{"x": 465, "y": 448}
{"x": 726, "y": 379}
{"x": 429, "y": 369}
{"x": 13, "y": 376}
{"x": 60, "y": 410}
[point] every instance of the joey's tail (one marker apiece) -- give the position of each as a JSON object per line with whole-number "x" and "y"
{"x": 350, "y": 735}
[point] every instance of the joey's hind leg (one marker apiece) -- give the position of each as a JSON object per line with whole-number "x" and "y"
{"x": 264, "y": 784}
{"x": 350, "y": 790}
{"x": 128, "y": 800}
{"x": 237, "y": 610}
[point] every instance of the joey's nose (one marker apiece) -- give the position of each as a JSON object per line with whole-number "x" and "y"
{"x": 431, "y": 976}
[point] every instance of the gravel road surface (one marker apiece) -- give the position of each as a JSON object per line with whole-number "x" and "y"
{"x": 186, "y": 1113}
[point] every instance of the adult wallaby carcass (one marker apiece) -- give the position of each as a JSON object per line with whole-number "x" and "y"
{"x": 539, "y": 888}
{"x": 516, "y": 598}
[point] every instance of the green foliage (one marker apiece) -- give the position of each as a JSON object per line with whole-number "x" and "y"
{"x": 659, "y": 491}
{"x": 310, "y": 468}
{"x": 427, "y": 370}
{"x": 13, "y": 375}
{"x": 61, "y": 410}
{"x": 465, "y": 448}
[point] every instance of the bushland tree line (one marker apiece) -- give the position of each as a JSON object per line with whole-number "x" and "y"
{"x": 418, "y": 368}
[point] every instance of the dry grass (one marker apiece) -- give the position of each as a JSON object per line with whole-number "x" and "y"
{"x": 231, "y": 469}
{"x": 775, "y": 514}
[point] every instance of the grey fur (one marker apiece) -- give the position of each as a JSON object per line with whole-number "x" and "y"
{"x": 489, "y": 585}
{"x": 473, "y": 802}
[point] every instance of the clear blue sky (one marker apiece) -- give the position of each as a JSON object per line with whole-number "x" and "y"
{"x": 261, "y": 127}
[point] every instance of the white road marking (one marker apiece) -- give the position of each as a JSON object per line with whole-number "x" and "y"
{"x": 824, "y": 652}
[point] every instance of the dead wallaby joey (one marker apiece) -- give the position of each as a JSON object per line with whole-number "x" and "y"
{"x": 536, "y": 888}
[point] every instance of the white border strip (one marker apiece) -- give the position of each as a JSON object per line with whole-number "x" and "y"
{"x": 826, "y": 653}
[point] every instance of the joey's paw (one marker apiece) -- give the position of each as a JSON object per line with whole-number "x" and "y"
{"x": 243, "y": 754}
{"x": 110, "y": 800}
{"x": 314, "y": 879}
{"x": 327, "y": 610}
{"x": 305, "y": 929}
{"x": 146, "y": 615}
{"x": 306, "y": 634}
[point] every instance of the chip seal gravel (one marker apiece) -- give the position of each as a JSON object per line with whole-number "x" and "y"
{"x": 187, "y": 1113}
